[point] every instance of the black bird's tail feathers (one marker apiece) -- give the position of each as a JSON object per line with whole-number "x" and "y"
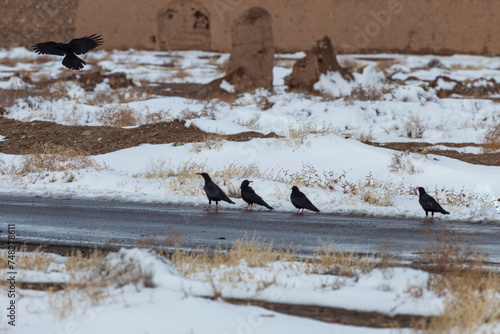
{"x": 268, "y": 206}
{"x": 73, "y": 62}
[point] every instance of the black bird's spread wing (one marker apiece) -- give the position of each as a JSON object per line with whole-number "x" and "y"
{"x": 85, "y": 44}
{"x": 48, "y": 48}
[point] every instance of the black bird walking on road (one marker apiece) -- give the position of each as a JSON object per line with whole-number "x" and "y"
{"x": 429, "y": 204}
{"x": 249, "y": 196}
{"x": 214, "y": 193}
{"x": 300, "y": 201}
{"x": 77, "y": 46}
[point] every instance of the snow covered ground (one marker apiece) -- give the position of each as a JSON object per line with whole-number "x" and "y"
{"x": 320, "y": 151}
{"x": 320, "y": 134}
{"x": 173, "y": 304}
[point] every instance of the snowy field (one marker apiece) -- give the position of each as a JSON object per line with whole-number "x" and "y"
{"x": 137, "y": 291}
{"x": 320, "y": 150}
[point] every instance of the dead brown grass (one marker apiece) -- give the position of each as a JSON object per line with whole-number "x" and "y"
{"x": 414, "y": 127}
{"x": 253, "y": 251}
{"x": 471, "y": 290}
{"x": 401, "y": 163}
{"x": 45, "y": 157}
{"x": 158, "y": 117}
{"x": 210, "y": 141}
{"x": 327, "y": 260}
{"x": 491, "y": 139}
{"x": 118, "y": 116}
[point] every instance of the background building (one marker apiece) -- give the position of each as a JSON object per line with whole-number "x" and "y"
{"x": 361, "y": 26}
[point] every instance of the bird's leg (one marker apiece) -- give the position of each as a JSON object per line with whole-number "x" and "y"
{"x": 302, "y": 213}
{"x": 425, "y": 218}
{"x": 251, "y": 207}
{"x": 297, "y": 213}
{"x": 247, "y": 207}
{"x": 208, "y": 207}
{"x": 216, "y": 206}
{"x": 432, "y": 217}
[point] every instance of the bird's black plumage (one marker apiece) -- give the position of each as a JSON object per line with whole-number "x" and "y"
{"x": 77, "y": 46}
{"x": 300, "y": 201}
{"x": 249, "y": 196}
{"x": 429, "y": 204}
{"x": 214, "y": 193}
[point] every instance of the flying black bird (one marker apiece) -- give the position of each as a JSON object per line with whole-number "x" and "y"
{"x": 214, "y": 193}
{"x": 249, "y": 196}
{"x": 429, "y": 204}
{"x": 77, "y": 46}
{"x": 300, "y": 201}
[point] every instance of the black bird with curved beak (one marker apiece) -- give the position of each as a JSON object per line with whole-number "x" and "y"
{"x": 429, "y": 204}
{"x": 214, "y": 193}
{"x": 77, "y": 46}
{"x": 300, "y": 201}
{"x": 249, "y": 196}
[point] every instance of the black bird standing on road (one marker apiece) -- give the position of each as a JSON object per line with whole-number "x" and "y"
{"x": 300, "y": 201}
{"x": 429, "y": 204}
{"x": 249, "y": 196}
{"x": 214, "y": 193}
{"x": 77, "y": 46}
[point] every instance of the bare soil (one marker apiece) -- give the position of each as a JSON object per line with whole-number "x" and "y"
{"x": 488, "y": 159}
{"x": 20, "y": 137}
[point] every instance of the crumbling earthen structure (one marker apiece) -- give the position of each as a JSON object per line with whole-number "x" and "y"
{"x": 355, "y": 26}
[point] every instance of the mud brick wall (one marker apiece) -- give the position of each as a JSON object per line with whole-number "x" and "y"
{"x": 24, "y": 22}
{"x": 354, "y": 26}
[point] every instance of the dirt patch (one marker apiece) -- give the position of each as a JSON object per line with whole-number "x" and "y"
{"x": 21, "y": 136}
{"x": 336, "y": 315}
{"x": 488, "y": 159}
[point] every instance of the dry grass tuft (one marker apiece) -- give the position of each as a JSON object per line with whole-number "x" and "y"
{"x": 118, "y": 116}
{"x": 413, "y": 128}
{"x": 476, "y": 202}
{"x": 491, "y": 139}
{"x": 42, "y": 158}
{"x": 254, "y": 253}
{"x": 208, "y": 110}
{"x": 327, "y": 260}
{"x": 401, "y": 163}
{"x": 210, "y": 141}
{"x": 362, "y": 93}
{"x": 471, "y": 290}
{"x": 158, "y": 117}
{"x": 119, "y": 95}
{"x": 35, "y": 260}
{"x": 297, "y": 133}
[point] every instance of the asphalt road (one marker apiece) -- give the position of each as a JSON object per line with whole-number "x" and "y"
{"x": 84, "y": 222}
